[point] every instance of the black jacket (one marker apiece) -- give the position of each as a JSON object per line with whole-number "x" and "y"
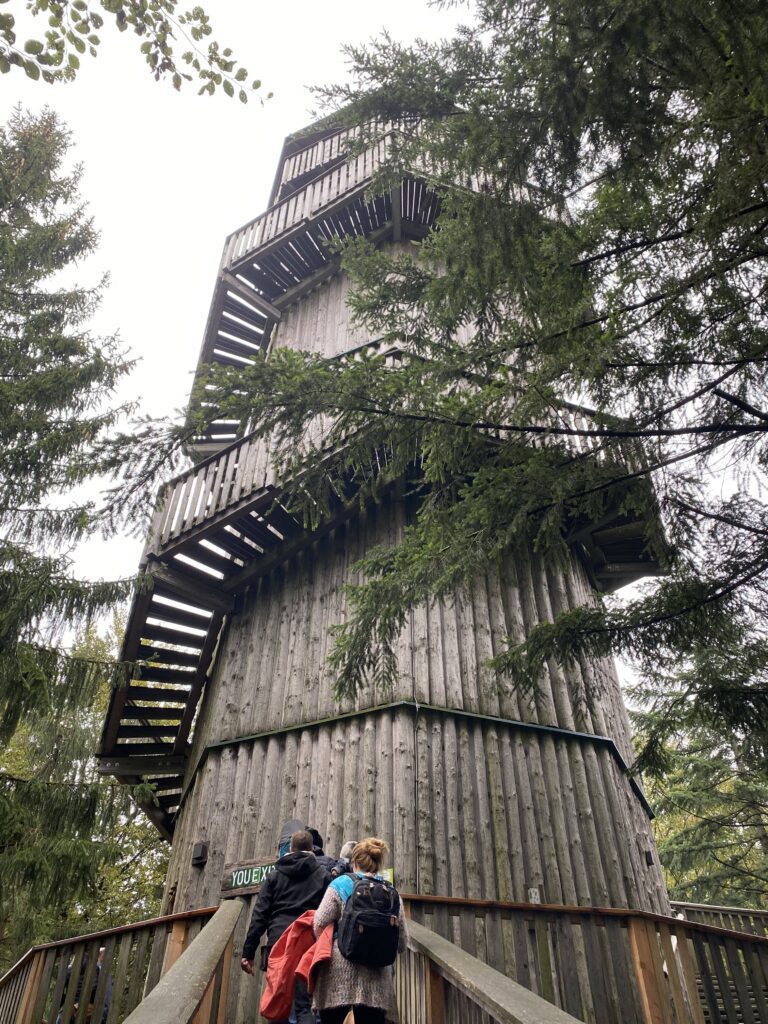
{"x": 296, "y": 884}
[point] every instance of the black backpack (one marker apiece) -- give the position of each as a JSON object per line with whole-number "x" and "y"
{"x": 369, "y": 929}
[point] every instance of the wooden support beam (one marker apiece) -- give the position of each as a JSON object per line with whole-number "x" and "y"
{"x": 164, "y": 656}
{"x": 157, "y": 693}
{"x": 141, "y": 731}
{"x": 156, "y": 674}
{"x": 152, "y": 714}
{"x": 250, "y": 295}
{"x": 200, "y": 679}
{"x": 159, "y": 631}
{"x": 298, "y": 291}
{"x": 632, "y": 569}
{"x": 140, "y": 765}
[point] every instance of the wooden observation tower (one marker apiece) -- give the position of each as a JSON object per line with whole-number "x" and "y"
{"x": 486, "y": 800}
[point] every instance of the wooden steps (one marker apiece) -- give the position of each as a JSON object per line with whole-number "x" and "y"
{"x": 170, "y": 642}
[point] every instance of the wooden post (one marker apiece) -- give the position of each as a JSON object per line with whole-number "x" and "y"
{"x": 435, "y": 996}
{"x": 175, "y": 944}
{"x": 203, "y": 1014}
{"x": 652, "y": 999}
{"x": 30, "y": 990}
{"x": 226, "y": 967}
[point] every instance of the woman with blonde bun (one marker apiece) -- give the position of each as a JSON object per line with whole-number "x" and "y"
{"x": 343, "y": 985}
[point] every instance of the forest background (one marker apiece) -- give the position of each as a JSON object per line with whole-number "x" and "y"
{"x": 76, "y": 856}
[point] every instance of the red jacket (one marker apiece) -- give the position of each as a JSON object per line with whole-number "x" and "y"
{"x": 315, "y": 957}
{"x": 277, "y": 998}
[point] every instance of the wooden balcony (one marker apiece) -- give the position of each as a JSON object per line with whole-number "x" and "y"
{"x": 312, "y": 157}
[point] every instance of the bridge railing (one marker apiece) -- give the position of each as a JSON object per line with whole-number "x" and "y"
{"x": 568, "y": 963}
{"x": 737, "y": 919}
{"x": 439, "y": 983}
{"x": 609, "y": 966}
{"x": 49, "y": 981}
{"x": 317, "y": 154}
{"x": 195, "y": 989}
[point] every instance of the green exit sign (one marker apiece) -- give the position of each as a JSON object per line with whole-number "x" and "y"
{"x": 244, "y": 878}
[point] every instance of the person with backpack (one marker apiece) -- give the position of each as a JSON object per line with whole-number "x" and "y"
{"x": 370, "y": 933}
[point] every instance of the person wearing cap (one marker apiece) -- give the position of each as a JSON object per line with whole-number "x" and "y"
{"x": 296, "y": 883}
{"x": 317, "y": 849}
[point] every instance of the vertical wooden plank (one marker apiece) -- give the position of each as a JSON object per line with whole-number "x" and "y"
{"x": 705, "y": 973}
{"x": 653, "y": 1000}
{"x": 91, "y": 954}
{"x": 157, "y": 957}
{"x": 544, "y": 958}
{"x": 736, "y": 969}
{"x": 689, "y": 975}
{"x": 757, "y": 981}
{"x": 227, "y": 966}
{"x": 61, "y": 980}
{"x": 672, "y": 965}
{"x": 29, "y": 996}
{"x": 120, "y": 978}
{"x": 43, "y": 984}
{"x": 138, "y": 970}
{"x": 716, "y": 951}
{"x": 72, "y": 982}
{"x": 203, "y": 1014}
{"x": 599, "y": 963}
{"x": 104, "y": 986}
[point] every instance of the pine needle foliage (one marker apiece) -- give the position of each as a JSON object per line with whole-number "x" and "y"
{"x": 56, "y": 382}
{"x": 707, "y": 780}
{"x": 75, "y": 854}
{"x": 58, "y": 423}
{"x": 602, "y": 173}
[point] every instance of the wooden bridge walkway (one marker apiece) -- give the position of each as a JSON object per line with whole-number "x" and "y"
{"x": 579, "y": 964}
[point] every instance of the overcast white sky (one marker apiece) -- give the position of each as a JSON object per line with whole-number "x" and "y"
{"x": 168, "y": 175}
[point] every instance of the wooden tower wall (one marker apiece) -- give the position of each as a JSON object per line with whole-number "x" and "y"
{"x": 474, "y": 797}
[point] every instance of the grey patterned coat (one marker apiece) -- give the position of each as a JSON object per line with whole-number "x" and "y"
{"x": 342, "y": 983}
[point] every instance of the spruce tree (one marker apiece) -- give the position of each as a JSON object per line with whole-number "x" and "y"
{"x": 57, "y": 417}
